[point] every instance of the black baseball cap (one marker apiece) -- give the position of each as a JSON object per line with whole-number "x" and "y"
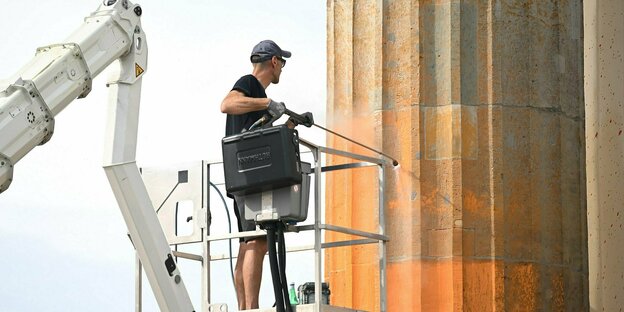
{"x": 265, "y": 50}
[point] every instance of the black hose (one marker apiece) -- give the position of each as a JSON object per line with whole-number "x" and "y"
{"x": 227, "y": 211}
{"x": 279, "y": 299}
{"x": 282, "y": 265}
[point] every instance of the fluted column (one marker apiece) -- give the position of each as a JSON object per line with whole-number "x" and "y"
{"x": 482, "y": 103}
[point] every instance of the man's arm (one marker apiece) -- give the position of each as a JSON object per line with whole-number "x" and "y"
{"x": 236, "y": 103}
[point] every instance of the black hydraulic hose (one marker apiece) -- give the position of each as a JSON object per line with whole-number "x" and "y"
{"x": 279, "y": 299}
{"x": 227, "y": 211}
{"x": 282, "y": 265}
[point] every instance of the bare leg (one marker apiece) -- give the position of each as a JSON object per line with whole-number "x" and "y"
{"x": 239, "y": 284}
{"x": 252, "y": 270}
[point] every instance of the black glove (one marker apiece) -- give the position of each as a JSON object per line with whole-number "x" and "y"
{"x": 276, "y": 109}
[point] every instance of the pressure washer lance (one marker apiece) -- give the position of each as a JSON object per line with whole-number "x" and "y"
{"x": 307, "y": 120}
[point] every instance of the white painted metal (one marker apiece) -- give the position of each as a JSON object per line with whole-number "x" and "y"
{"x": 205, "y": 222}
{"x": 205, "y": 278}
{"x": 168, "y": 194}
{"x": 138, "y": 285}
{"x": 6, "y": 172}
{"x": 123, "y": 174}
{"x": 56, "y": 76}
{"x": 170, "y": 186}
{"x": 318, "y": 254}
{"x": 147, "y": 237}
{"x": 382, "y": 243}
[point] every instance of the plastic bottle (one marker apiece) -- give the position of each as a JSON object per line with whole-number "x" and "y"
{"x": 292, "y": 294}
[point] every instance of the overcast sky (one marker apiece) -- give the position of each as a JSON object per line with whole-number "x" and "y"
{"x": 63, "y": 239}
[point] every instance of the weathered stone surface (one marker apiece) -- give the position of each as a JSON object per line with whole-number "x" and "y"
{"x": 604, "y": 97}
{"x": 480, "y": 103}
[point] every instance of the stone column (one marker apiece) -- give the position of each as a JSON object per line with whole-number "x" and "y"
{"x": 604, "y": 98}
{"x": 482, "y": 104}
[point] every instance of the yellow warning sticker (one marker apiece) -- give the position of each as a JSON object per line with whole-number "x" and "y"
{"x": 138, "y": 70}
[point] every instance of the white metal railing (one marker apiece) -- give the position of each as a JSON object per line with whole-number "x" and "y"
{"x": 317, "y": 227}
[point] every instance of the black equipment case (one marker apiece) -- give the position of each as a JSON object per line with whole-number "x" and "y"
{"x": 261, "y": 160}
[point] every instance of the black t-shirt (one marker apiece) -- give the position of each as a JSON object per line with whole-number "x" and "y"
{"x": 250, "y": 87}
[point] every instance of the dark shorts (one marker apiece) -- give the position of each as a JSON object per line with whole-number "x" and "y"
{"x": 244, "y": 225}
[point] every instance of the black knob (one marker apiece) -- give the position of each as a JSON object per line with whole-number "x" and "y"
{"x": 138, "y": 11}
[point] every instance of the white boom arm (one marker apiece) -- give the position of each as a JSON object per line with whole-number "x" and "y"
{"x": 56, "y": 76}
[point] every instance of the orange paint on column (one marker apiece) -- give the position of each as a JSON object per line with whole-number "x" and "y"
{"x": 490, "y": 173}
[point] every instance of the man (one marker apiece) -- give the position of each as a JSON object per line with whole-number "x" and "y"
{"x": 245, "y": 104}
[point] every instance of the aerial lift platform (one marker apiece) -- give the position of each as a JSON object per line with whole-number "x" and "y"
{"x": 170, "y": 189}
